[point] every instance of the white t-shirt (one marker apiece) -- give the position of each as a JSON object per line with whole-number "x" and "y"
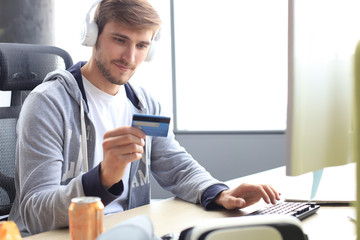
{"x": 108, "y": 112}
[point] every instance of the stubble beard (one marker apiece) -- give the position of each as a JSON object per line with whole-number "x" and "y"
{"x": 101, "y": 63}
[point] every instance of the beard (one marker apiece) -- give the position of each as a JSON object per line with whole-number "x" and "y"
{"x": 105, "y": 70}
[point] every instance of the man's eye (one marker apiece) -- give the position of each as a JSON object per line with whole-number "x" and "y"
{"x": 119, "y": 40}
{"x": 142, "y": 46}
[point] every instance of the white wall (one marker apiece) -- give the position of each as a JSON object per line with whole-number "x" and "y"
{"x": 229, "y": 156}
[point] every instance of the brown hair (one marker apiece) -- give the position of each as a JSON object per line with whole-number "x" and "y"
{"x": 136, "y": 14}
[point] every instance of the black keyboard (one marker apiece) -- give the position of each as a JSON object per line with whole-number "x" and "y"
{"x": 299, "y": 210}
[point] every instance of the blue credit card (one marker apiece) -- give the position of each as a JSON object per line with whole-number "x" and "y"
{"x": 152, "y": 125}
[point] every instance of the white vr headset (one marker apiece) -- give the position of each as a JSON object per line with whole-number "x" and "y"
{"x": 269, "y": 227}
{"x": 90, "y": 30}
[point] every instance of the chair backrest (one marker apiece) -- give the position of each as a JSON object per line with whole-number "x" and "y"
{"x": 8, "y": 119}
{"x": 22, "y": 68}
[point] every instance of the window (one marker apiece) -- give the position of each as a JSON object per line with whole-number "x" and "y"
{"x": 231, "y": 65}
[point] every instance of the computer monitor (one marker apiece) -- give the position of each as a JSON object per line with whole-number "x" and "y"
{"x": 322, "y": 39}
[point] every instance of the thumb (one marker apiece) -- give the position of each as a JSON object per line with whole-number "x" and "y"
{"x": 234, "y": 203}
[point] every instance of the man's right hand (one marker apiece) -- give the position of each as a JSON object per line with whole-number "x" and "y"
{"x": 121, "y": 146}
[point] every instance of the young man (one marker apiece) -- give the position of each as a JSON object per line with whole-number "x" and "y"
{"x": 75, "y": 136}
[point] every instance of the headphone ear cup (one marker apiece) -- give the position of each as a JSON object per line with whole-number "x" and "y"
{"x": 152, "y": 47}
{"x": 89, "y": 33}
{"x": 151, "y": 52}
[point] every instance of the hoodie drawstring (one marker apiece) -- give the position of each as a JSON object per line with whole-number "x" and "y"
{"x": 83, "y": 138}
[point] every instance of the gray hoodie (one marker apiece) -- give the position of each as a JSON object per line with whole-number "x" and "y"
{"x": 55, "y": 157}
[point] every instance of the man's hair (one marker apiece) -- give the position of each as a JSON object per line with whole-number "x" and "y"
{"x": 135, "y": 14}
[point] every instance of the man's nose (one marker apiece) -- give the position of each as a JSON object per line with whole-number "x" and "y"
{"x": 129, "y": 54}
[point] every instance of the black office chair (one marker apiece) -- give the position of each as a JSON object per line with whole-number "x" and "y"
{"x": 22, "y": 68}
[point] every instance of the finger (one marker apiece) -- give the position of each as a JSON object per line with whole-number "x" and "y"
{"x": 130, "y": 148}
{"x": 123, "y": 131}
{"x": 122, "y": 140}
{"x": 277, "y": 194}
{"x": 274, "y": 194}
{"x": 125, "y": 153}
{"x": 131, "y": 157}
{"x": 264, "y": 195}
{"x": 116, "y": 158}
{"x": 234, "y": 203}
{"x": 271, "y": 193}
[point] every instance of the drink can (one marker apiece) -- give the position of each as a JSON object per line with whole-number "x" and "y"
{"x": 86, "y": 218}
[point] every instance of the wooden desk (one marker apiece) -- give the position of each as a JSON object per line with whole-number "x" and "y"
{"x": 173, "y": 215}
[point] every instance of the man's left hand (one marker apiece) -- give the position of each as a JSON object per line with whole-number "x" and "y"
{"x": 246, "y": 195}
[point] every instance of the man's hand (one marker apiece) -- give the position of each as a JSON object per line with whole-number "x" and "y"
{"x": 246, "y": 195}
{"x": 121, "y": 146}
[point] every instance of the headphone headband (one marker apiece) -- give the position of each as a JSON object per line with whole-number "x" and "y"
{"x": 89, "y": 33}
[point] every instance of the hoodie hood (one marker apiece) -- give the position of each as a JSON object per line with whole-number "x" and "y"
{"x": 69, "y": 82}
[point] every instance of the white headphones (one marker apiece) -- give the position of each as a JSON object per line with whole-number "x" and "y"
{"x": 89, "y": 34}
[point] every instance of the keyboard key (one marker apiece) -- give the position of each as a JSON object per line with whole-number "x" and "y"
{"x": 299, "y": 210}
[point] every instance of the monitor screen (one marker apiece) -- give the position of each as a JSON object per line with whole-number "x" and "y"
{"x": 322, "y": 39}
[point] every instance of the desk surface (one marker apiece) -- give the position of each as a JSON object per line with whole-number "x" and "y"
{"x": 173, "y": 215}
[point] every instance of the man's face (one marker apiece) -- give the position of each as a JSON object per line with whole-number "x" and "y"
{"x": 120, "y": 50}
